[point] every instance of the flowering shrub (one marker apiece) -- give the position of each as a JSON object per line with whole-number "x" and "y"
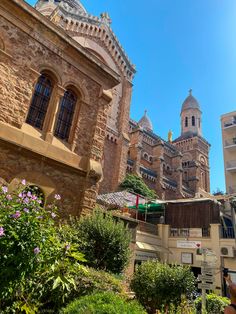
{"x": 28, "y": 240}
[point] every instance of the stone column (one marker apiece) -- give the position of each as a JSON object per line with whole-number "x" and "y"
{"x": 52, "y": 113}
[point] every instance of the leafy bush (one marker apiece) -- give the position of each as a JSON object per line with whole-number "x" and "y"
{"x": 133, "y": 183}
{"x": 214, "y": 304}
{"x": 32, "y": 251}
{"x": 104, "y": 241}
{"x": 157, "y": 285}
{"x": 103, "y": 303}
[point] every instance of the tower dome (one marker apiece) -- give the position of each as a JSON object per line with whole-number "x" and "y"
{"x": 190, "y": 102}
{"x": 47, "y": 6}
{"x": 145, "y": 122}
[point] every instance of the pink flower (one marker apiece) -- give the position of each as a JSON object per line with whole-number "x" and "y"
{"x": 29, "y": 194}
{"x": 20, "y": 195}
{"x": 16, "y": 215}
{"x": 2, "y": 232}
{"x": 36, "y": 250}
{"x": 4, "y": 189}
{"x": 53, "y": 215}
{"x": 26, "y": 210}
{"x": 23, "y": 182}
{"x": 39, "y": 201}
{"x": 9, "y": 197}
{"x": 57, "y": 197}
{"x": 34, "y": 197}
{"x": 26, "y": 200}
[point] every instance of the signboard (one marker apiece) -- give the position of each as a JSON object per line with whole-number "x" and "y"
{"x": 206, "y": 278}
{"x": 186, "y": 258}
{"x": 209, "y": 272}
{"x": 189, "y": 244}
{"x": 195, "y": 232}
{"x": 206, "y": 286}
{"x": 144, "y": 256}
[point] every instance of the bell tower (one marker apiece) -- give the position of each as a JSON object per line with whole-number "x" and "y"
{"x": 191, "y": 116}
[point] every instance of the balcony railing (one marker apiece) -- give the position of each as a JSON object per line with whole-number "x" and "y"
{"x": 231, "y": 164}
{"x": 190, "y": 232}
{"x": 227, "y": 233}
{"x": 230, "y": 142}
{"x": 230, "y": 122}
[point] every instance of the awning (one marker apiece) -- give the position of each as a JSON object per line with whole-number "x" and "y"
{"x": 152, "y": 247}
{"x": 149, "y": 208}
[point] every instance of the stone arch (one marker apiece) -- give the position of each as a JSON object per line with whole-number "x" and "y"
{"x": 98, "y": 50}
{"x": 39, "y": 179}
{"x": 80, "y": 87}
{"x": 51, "y": 71}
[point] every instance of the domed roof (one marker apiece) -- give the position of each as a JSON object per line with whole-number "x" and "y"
{"x": 190, "y": 102}
{"x": 145, "y": 122}
{"x": 74, "y": 4}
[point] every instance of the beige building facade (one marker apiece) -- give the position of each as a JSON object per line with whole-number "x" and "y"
{"x": 61, "y": 103}
{"x": 228, "y": 127}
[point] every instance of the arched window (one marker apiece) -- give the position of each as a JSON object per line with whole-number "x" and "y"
{"x": 186, "y": 122}
{"x": 40, "y": 101}
{"x": 193, "y": 121}
{"x": 65, "y": 115}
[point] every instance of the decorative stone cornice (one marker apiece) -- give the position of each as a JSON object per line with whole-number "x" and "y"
{"x": 77, "y": 21}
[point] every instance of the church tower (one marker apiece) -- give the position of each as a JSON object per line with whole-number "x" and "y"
{"x": 195, "y": 149}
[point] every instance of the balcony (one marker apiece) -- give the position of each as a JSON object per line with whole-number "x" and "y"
{"x": 190, "y": 232}
{"x": 227, "y": 233}
{"x": 232, "y": 189}
{"x": 231, "y": 166}
{"x": 229, "y": 124}
{"x": 230, "y": 144}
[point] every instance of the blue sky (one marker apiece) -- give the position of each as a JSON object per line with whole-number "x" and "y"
{"x": 177, "y": 45}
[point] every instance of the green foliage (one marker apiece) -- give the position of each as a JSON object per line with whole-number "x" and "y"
{"x": 214, "y": 304}
{"x": 35, "y": 260}
{"x": 157, "y": 285}
{"x": 133, "y": 183}
{"x": 103, "y": 303}
{"x": 104, "y": 241}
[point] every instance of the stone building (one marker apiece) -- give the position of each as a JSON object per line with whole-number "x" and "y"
{"x": 65, "y": 88}
{"x": 174, "y": 169}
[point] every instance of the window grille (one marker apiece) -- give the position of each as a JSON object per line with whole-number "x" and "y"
{"x": 40, "y": 101}
{"x": 65, "y": 116}
{"x": 193, "y": 121}
{"x": 186, "y": 122}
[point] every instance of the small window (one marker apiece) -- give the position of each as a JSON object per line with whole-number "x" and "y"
{"x": 186, "y": 122}
{"x": 193, "y": 121}
{"x": 40, "y": 101}
{"x": 66, "y": 114}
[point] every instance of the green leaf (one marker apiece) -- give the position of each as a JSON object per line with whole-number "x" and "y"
{"x": 56, "y": 283}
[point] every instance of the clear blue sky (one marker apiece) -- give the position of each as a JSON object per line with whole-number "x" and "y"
{"x": 175, "y": 45}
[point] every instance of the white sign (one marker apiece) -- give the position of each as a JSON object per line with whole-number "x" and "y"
{"x": 195, "y": 233}
{"x": 189, "y": 244}
{"x": 186, "y": 258}
{"x": 206, "y": 286}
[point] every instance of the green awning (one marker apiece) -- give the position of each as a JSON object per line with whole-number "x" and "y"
{"x": 149, "y": 208}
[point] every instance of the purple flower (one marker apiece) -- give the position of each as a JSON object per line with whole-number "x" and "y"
{"x": 23, "y": 182}
{"x": 29, "y": 194}
{"x": 39, "y": 217}
{"x": 26, "y": 200}
{"x": 16, "y": 215}
{"x": 67, "y": 247}
{"x": 20, "y": 195}
{"x": 34, "y": 197}
{"x": 26, "y": 210}
{"x": 39, "y": 201}
{"x": 57, "y": 197}
{"x": 53, "y": 215}
{"x": 4, "y": 189}
{"x": 36, "y": 250}
{"x": 2, "y": 232}
{"x": 9, "y": 197}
